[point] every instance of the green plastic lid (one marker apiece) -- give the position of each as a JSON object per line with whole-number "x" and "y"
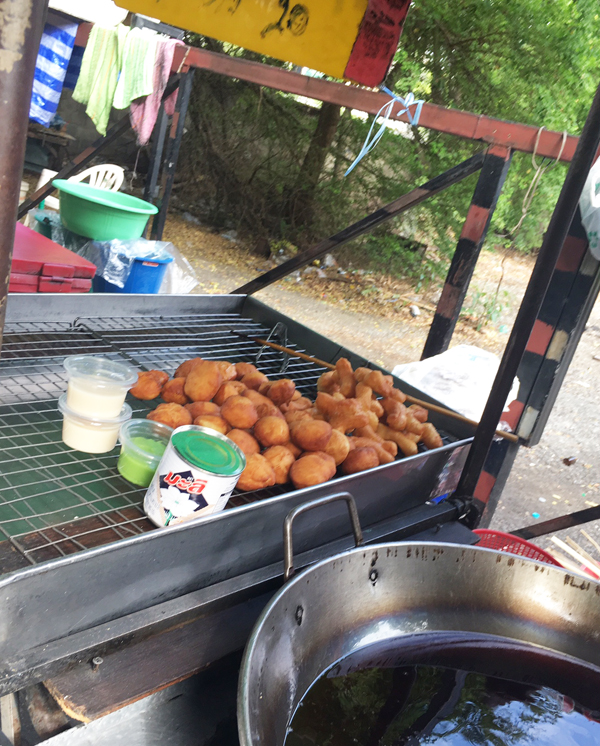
{"x": 210, "y": 451}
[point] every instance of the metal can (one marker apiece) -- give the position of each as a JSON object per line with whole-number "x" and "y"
{"x": 196, "y": 476}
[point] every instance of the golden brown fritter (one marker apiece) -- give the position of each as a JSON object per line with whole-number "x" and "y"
{"x": 203, "y": 381}
{"x": 173, "y": 391}
{"x": 173, "y": 415}
{"x": 239, "y": 412}
{"x": 257, "y": 475}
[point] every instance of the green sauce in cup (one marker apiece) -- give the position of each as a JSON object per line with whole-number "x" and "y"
{"x": 143, "y": 443}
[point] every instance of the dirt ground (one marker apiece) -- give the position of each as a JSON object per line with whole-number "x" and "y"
{"x": 370, "y": 314}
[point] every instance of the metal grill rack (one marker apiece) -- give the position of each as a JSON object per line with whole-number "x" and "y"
{"x": 55, "y": 501}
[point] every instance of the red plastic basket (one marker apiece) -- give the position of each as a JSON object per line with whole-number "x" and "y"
{"x": 509, "y": 543}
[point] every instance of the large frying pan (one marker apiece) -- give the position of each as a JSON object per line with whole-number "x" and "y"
{"x": 388, "y": 597}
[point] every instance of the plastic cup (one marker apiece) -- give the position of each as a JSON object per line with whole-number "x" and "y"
{"x": 91, "y": 434}
{"x": 143, "y": 443}
{"x": 97, "y": 386}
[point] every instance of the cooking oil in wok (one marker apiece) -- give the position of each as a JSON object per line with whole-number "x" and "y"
{"x": 442, "y": 705}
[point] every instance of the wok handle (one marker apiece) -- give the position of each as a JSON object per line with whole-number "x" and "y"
{"x": 288, "y": 549}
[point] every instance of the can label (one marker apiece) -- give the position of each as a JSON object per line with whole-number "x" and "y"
{"x": 181, "y": 492}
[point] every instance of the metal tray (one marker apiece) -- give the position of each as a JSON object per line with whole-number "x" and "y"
{"x": 55, "y": 502}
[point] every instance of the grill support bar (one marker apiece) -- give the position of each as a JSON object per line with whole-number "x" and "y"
{"x": 368, "y": 223}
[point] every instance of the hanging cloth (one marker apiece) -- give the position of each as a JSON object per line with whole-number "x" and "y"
{"x": 137, "y": 70}
{"x": 100, "y": 69}
{"x": 74, "y": 67}
{"x": 51, "y": 66}
{"x": 143, "y": 113}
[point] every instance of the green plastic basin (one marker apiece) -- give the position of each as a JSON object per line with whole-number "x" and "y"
{"x": 100, "y": 214}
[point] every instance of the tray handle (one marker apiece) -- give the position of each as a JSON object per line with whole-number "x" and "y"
{"x": 288, "y": 549}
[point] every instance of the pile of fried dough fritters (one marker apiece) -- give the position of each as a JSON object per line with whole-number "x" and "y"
{"x": 358, "y": 420}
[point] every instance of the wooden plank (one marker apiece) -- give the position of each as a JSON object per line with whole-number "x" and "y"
{"x": 89, "y": 691}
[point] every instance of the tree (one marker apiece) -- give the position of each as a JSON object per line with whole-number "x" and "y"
{"x": 271, "y": 165}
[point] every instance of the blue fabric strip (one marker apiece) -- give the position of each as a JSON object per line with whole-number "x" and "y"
{"x": 74, "y": 68}
{"x": 52, "y": 62}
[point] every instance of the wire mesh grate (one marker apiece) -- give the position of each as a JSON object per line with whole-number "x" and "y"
{"x": 55, "y": 501}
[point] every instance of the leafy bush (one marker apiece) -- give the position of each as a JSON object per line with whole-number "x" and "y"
{"x": 248, "y": 149}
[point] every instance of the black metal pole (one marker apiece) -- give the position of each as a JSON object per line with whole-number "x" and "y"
{"x": 533, "y": 298}
{"x": 160, "y": 130}
{"x": 173, "y": 145}
{"x": 558, "y": 524}
{"x": 22, "y": 26}
{"x": 391, "y": 210}
{"x": 485, "y": 197}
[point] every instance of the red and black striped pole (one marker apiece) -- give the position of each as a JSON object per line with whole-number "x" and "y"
{"x": 489, "y": 186}
{"x": 531, "y": 305}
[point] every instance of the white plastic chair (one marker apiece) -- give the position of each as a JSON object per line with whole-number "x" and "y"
{"x": 105, "y": 176}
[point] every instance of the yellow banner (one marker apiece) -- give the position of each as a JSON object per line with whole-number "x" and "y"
{"x": 318, "y": 34}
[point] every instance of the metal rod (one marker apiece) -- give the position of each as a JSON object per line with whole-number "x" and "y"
{"x": 485, "y": 197}
{"x": 23, "y": 23}
{"x": 464, "y": 124}
{"x": 410, "y": 399}
{"x": 391, "y": 210}
{"x": 533, "y": 298}
{"x": 177, "y": 125}
{"x": 558, "y": 524}
{"x": 85, "y": 157}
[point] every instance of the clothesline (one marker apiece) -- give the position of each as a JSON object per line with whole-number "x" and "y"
{"x": 106, "y": 68}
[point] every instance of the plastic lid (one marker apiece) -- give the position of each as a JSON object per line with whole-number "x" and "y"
{"x": 209, "y": 450}
{"x": 98, "y": 422}
{"x": 101, "y": 370}
{"x": 144, "y": 429}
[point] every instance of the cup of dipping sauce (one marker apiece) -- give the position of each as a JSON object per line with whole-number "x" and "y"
{"x": 143, "y": 443}
{"x": 91, "y": 434}
{"x": 97, "y": 386}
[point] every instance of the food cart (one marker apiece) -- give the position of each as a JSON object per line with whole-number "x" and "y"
{"x": 119, "y": 619}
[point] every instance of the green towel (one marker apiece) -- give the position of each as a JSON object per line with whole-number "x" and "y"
{"x": 100, "y": 68}
{"x": 137, "y": 71}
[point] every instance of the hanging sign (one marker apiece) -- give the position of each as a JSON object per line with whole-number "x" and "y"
{"x": 353, "y": 39}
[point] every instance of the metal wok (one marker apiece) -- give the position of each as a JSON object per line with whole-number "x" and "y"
{"x": 387, "y": 597}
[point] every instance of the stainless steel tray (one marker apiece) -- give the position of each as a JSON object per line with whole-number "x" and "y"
{"x": 55, "y": 502}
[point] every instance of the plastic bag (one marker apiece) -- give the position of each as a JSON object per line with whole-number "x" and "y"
{"x": 114, "y": 260}
{"x": 48, "y": 223}
{"x": 180, "y": 276}
{"x": 589, "y": 204}
{"x": 460, "y": 378}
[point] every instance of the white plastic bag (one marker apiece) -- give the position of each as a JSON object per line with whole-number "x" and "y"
{"x": 180, "y": 276}
{"x": 460, "y": 378}
{"x": 589, "y": 204}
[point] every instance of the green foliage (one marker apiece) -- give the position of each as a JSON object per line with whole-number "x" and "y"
{"x": 485, "y": 308}
{"x": 522, "y": 60}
